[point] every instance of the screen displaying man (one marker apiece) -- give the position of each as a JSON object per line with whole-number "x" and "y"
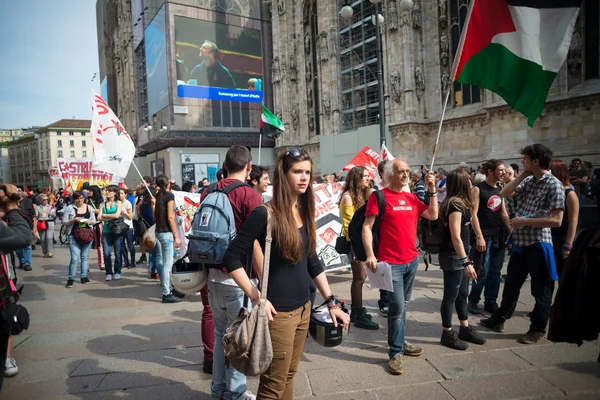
{"x": 210, "y": 72}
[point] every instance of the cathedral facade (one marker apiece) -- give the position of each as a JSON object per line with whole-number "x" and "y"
{"x": 325, "y": 79}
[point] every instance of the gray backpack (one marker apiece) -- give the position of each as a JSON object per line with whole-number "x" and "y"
{"x": 213, "y": 226}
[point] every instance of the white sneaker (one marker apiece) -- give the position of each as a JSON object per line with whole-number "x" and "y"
{"x": 248, "y": 396}
{"x": 11, "y": 368}
{"x": 117, "y": 276}
{"x": 108, "y": 277}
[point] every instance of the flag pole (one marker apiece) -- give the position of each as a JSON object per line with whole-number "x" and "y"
{"x": 452, "y": 79}
{"x": 142, "y": 178}
{"x": 259, "y": 146}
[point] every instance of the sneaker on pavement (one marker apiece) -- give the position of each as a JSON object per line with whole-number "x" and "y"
{"x": 109, "y": 277}
{"x": 361, "y": 319}
{"x": 472, "y": 307}
{"x": 491, "y": 307}
{"x": 450, "y": 339}
{"x": 10, "y": 367}
{"x": 101, "y": 267}
{"x": 142, "y": 259}
{"x": 493, "y": 325}
{"x": 178, "y": 293}
{"x": 170, "y": 298}
{"x": 469, "y": 334}
{"x": 85, "y": 280}
{"x": 383, "y": 309}
{"x": 20, "y": 266}
{"x": 131, "y": 266}
{"x": 395, "y": 365}
{"x": 531, "y": 337}
{"x": 27, "y": 267}
{"x": 117, "y": 276}
{"x": 411, "y": 350}
{"x": 248, "y": 396}
{"x": 70, "y": 283}
{"x": 153, "y": 275}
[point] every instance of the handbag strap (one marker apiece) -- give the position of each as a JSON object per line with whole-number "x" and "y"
{"x": 266, "y": 261}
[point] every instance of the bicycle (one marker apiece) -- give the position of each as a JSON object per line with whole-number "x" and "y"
{"x": 63, "y": 237}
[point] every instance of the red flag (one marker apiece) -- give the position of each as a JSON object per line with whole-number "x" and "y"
{"x": 28, "y": 192}
{"x": 367, "y": 158}
{"x": 65, "y": 193}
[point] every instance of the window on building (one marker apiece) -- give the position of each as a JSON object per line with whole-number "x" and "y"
{"x": 358, "y": 57}
{"x": 60, "y": 154}
{"x": 591, "y": 52}
{"x": 83, "y": 143}
{"x": 58, "y": 133}
{"x": 71, "y": 133}
{"x": 59, "y": 143}
{"x": 84, "y": 153}
{"x": 72, "y": 153}
{"x": 82, "y": 133}
{"x": 71, "y": 143}
{"x": 463, "y": 93}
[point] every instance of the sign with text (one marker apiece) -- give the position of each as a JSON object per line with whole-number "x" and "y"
{"x": 75, "y": 172}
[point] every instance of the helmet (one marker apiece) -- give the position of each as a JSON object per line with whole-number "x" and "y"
{"x": 188, "y": 277}
{"x": 321, "y": 327}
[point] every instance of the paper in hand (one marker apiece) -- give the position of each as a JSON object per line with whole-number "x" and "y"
{"x": 382, "y": 277}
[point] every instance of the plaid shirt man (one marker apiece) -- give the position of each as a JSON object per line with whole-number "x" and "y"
{"x": 535, "y": 199}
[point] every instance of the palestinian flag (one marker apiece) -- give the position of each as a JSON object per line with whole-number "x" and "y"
{"x": 270, "y": 125}
{"x": 515, "y": 48}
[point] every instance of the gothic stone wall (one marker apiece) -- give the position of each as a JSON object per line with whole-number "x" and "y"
{"x": 571, "y": 128}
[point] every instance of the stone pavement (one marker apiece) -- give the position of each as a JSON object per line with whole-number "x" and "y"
{"x": 116, "y": 340}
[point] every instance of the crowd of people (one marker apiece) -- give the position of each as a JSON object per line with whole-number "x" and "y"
{"x": 530, "y": 212}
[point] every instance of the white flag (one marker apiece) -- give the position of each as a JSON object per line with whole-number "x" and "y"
{"x": 113, "y": 148}
{"x": 385, "y": 153}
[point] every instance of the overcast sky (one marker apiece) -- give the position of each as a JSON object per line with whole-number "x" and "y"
{"x": 48, "y": 55}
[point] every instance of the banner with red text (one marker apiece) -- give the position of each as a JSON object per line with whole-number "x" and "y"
{"x": 186, "y": 205}
{"x": 75, "y": 172}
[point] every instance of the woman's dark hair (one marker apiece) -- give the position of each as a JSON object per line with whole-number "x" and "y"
{"x": 176, "y": 188}
{"x": 458, "y": 188}
{"x": 538, "y": 152}
{"x": 113, "y": 188}
{"x": 219, "y": 174}
{"x": 285, "y": 231}
{"x": 560, "y": 170}
{"x": 187, "y": 186}
{"x": 160, "y": 209}
{"x": 359, "y": 194}
{"x": 96, "y": 193}
{"x": 77, "y": 194}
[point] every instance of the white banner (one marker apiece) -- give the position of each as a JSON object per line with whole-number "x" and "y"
{"x": 113, "y": 148}
{"x": 329, "y": 224}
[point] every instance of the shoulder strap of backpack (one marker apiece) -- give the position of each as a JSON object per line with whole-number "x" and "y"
{"x": 380, "y": 203}
{"x": 211, "y": 188}
{"x": 228, "y": 189}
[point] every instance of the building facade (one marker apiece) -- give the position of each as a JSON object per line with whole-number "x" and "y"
{"x": 4, "y": 166}
{"x": 6, "y": 135}
{"x": 328, "y": 66}
{"x": 148, "y": 50}
{"x": 31, "y": 156}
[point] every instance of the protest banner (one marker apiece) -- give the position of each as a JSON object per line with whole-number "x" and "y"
{"x": 367, "y": 158}
{"x": 75, "y": 172}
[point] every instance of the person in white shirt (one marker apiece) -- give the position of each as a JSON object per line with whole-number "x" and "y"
{"x": 128, "y": 245}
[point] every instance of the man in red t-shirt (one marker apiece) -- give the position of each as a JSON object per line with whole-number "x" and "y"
{"x": 397, "y": 247}
{"x": 222, "y": 291}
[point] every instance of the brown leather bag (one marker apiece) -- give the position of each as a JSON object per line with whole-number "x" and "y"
{"x": 247, "y": 342}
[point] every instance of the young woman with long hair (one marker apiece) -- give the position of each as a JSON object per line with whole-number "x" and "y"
{"x": 145, "y": 211}
{"x": 355, "y": 194}
{"x": 563, "y": 236}
{"x": 127, "y": 245}
{"x": 455, "y": 218}
{"x": 166, "y": 235}
{"x": 45, "y": 212}
{"x": 94, "y": 200}
{"x": 293, "y": 261}
{"x": 109, "y": 210}
{"x": 82, "y": 216}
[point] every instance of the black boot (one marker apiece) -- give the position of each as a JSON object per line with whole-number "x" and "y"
{"x": 450, "y": 339}
{"x": 469, "y": 334}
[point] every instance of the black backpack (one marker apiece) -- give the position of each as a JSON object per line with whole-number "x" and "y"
{"x": 430, "y": 235}
{"x": 356, "y": 225}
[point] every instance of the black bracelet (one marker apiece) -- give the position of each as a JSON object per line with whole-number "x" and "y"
{"x": 433, "y": 194}
{"x": 467, "y": 263}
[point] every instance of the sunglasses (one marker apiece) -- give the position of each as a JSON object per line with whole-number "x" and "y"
{"x": 294, "y": 152}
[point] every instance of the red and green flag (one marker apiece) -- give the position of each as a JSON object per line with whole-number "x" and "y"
{"x": 515, "y": 48}
{"x": 270, "y": 125}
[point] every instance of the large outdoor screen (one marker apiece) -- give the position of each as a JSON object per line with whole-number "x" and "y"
{"x": 156, "y": 63}
{"x": 218, "y": 62}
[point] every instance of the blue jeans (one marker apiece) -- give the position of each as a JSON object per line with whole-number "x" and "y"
{"x": 225, "y": 302}
{"x": 403, "y": 278}
{"x": 128, "y": 247}
{"x": 108, "y": 241}
{"x": 24, "y": 255}
{"x": 490, "y": 275}
{"x": 78, "y": 252}
{"x": 163, "y": 259}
